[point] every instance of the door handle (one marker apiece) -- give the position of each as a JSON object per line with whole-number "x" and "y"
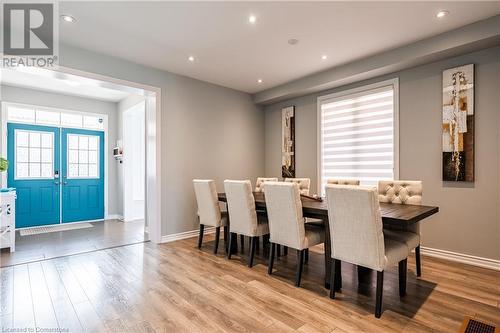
{"x": 57, "y": 183}
{"x": 64, "y": 183}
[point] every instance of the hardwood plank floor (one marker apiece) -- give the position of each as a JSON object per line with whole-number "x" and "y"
{"x": 175, "y": 287}
{"x": 103, "y": 234}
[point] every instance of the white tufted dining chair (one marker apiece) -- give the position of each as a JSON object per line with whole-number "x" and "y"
{"x": 333, "y": 181}
{"x": 286, "y": 223}
{"x": 209, "y": 212}
{"x": 407, "y": 193}
{"x": 304, "y": 184}
{"x": 244, "y": 218}
{"x": 260, "y": 182}
{"x": 357, "y": 236}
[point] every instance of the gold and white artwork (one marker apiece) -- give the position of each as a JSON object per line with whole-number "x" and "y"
{"x": 458, "y": 123}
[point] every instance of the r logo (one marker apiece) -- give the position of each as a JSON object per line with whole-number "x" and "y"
{"x": 28, "y": 29}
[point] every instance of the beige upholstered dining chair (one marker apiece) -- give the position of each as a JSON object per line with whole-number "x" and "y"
{"x": 409, "y": 193}
{"x": 304, "y": 184}
{"x": 357, "y": 236}
{"x": 333, "y": 181}
{"x": 209, "y": 212}
{"x": 260, "y": 182}
{"x": 286, "y": 223}
{"x": 244, "y": 218}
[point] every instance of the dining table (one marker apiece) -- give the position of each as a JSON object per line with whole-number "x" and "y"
{"x": 394, "y": 216}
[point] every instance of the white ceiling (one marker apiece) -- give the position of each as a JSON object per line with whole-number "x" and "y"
{"x": 231, "y": 52}
{"x": 44, "y": 80}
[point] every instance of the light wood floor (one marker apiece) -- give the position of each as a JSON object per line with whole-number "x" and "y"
{"x": 175, "y": 287}
{"x": 102, "y": 235}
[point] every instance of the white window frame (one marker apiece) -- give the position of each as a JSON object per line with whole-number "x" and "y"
{"x": 321, "y": 99}
{"x": 98, "y": 157}
{"x": 16, "y": 177}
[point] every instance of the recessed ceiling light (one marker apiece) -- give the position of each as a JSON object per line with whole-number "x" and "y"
{"x": 293, "y": 41}
{"x": 324, "y": 57}
{"x": 252, "y": 19}
{"x": 68, "y": 18}
{"x": 191, "y": 58}
{"x": 442, "y": 13}
{"x": 259, "y": 81}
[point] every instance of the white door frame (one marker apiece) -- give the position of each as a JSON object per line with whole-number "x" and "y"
{"x": 153, "y": 145}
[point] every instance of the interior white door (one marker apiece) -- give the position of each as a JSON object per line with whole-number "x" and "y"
{"x": 134, "y": 158}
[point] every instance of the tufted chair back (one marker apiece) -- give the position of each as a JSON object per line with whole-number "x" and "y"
{"x": 304, "y": 184}
{"x": 284, "y": 213}
{"x": 241, "y": 206}
{"x": 260, "y": 182}
{"x": 356, "y": 225}
{"x": 407, "y": 192}
{"x": 333, "y": 181}
{"x": 208, "y": 204}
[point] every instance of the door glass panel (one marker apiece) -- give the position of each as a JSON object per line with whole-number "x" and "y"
{"x": 22, "y": 138}
{"x": 22, "y": 154}
{"x": 22, "y": 170}
{"x": 34, "y": 155}
{"x": 31, "y": 160}
{"x": 46, "y": 155}
{"x": 83, "y": 156}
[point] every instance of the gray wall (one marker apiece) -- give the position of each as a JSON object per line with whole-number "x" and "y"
{"x": 469, "y": 217}
{"x": 41, "y": 98}
{"x": 208, "y": 131}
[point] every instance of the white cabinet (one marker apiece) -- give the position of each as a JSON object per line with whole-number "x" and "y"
{"x": 8, "y": 220}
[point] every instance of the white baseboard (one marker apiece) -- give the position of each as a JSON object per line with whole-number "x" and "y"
{"x": 461, "y": 258}
{"x": 186, "y": 234}
{"x": 114, "y": 217}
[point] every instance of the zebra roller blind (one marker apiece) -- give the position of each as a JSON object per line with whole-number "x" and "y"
{"x": 357, "y": 135}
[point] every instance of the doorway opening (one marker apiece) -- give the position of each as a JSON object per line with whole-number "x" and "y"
{"x": 76, "y": 145}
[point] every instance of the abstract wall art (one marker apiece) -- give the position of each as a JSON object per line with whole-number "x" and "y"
{"x": 458, "y": 124}
{"x": 288, "y": 142}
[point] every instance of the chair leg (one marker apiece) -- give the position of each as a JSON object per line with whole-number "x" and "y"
{"x": 300, "y": 264}
{"x": 285, "y": 250}
{"x": 417, "y": 259}
{"x": 229, "y": 245}
{"x": 333, "y": 285}
{"x": 271, "y": 258}
{"x": 338, "y": 274}
{"x": 217, "y": 236}
{"x": 253, "y": 244}
{"x": 242, "y": 241}
{"x": 257, "y": 245}
{"x": 306, "y": 256}
{"x": 200, "y": 237}
{"x": 225, "y": 234}
{"x": 278, "y": 250}
{"x": 380, "y": 289}
{"x": 402, "y": 277}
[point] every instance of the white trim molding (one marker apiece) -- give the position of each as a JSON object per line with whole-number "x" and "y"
{"x": 186, "y": 234}
{"x": 461, "y": 258}
{"x": 114, "y": 217}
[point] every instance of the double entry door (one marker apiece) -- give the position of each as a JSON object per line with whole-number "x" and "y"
{"x": 58, "y": 174}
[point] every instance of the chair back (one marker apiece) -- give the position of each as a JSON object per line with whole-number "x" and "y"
{"x": 260, "y": 182}
{"x": 407, "y": 192}
{"x": 356, "y": 225}
{"x": 241, "y": 207}
{"x": 334, "y": 181}
{"x": 304, "y": 184}
{"x": 284, "y": 213}
{"x": 208, "y": 204}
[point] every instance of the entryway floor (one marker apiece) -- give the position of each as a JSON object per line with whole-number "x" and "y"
{"x": 103, "y": 235}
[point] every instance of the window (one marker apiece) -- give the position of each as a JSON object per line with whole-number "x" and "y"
{"x": 83, "y": 156}
{"x": 47, "y": 116}
{"x": 358, "y": 134}
{"x": 34, "y": 155}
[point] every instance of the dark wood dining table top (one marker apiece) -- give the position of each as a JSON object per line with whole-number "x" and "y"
{"x": 392, "y": 214}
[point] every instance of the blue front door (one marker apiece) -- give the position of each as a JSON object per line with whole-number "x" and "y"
{"x": 33, "y": 152}
{"x": 82, "y": 175}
